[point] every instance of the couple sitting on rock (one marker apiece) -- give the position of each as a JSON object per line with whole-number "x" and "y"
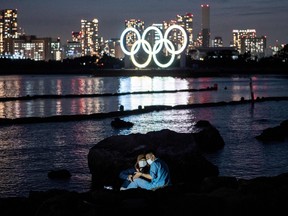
{"x": 149, "y": 173}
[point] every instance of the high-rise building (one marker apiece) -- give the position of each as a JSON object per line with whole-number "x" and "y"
{"x": 217, "y": 42}
{"x": 131, "y": 36}
{"x": 112, "y": 48}
{"x": 72, "y": 49}
{"x": 198, "y": 40}
{"x": 175, "y": 36}
{"x": 205, "y": 25}
{"x": 76, "y": 36}
{"x": 239, "y": 34}
{"x": 38, "y": 49}
{"x": 90, "y": 40}
{"x": 8, "y": 28}
{"x": 156, "y": 35}
{"x": 186, "y": 21}
{"x": 256, "y": 46}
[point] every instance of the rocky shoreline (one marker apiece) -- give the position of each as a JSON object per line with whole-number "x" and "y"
{"x": 197, "y": 187}
{"x": 214, "y": 196}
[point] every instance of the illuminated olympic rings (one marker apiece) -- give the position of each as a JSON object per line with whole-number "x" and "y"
{"x": 152, "y": 51}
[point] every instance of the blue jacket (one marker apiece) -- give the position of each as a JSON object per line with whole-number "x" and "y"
{"x": 160, "y": 174}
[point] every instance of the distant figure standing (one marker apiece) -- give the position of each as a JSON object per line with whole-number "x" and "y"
{"x": 251, "y": 90}
{"x": 159, "y": 174}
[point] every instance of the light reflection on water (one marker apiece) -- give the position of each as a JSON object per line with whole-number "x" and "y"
{"x": 229, "y": 89}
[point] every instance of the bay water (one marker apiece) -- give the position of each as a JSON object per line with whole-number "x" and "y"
{"x": 29, "y": 151}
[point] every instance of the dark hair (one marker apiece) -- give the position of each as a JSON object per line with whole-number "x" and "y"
{"x": 150, "y": 151}
{"x": 140, "y": 157}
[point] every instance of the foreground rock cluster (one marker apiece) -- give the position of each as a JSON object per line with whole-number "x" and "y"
{"x": 214, "y": 196}
{"x": 197, "y": 187}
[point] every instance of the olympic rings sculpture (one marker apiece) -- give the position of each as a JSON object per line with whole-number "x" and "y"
{"x": 153, "y": 51}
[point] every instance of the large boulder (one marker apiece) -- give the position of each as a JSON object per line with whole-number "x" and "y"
{"x": 208, "y": 137}
{"x": 181, "y": 151}
{"x": 274, "y": 134}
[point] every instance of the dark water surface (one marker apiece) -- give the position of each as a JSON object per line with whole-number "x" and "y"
{"x": 29, "y": 151}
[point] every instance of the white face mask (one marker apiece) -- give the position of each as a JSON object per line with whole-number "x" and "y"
{"x": 142, "y": 163}
{"x": 149, "y": 161}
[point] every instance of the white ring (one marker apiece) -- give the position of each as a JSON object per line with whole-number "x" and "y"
{"x": 184, "y": 35}
{"x": 152, "y": 52}
{"x": 122, "y": 40}
{"x": 145, "y": 64}
{"x": 172, "y": 55}
{"x": 150, "y": 28}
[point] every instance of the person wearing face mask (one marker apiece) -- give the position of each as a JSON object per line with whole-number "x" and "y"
{"x": 128, "y": 175}
{"x": 159, "y": 174}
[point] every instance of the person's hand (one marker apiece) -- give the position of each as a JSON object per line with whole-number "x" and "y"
{"x": 130, "y": 177}
{"x": 137, "y": 175}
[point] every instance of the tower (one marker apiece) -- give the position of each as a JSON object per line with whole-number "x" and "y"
{"x": 205, "y": 25}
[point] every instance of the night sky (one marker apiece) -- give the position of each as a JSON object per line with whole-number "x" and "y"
{"x": 58, "y": 18}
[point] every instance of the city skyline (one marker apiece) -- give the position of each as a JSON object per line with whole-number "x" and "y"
{"x": 60, "y": 18}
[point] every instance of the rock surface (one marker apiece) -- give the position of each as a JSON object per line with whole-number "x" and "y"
{"x": 119, "y": 123}
{"x": 275, "y": 134}
{"x": 59, "y": 174}
{"x": 219, "y": 195}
